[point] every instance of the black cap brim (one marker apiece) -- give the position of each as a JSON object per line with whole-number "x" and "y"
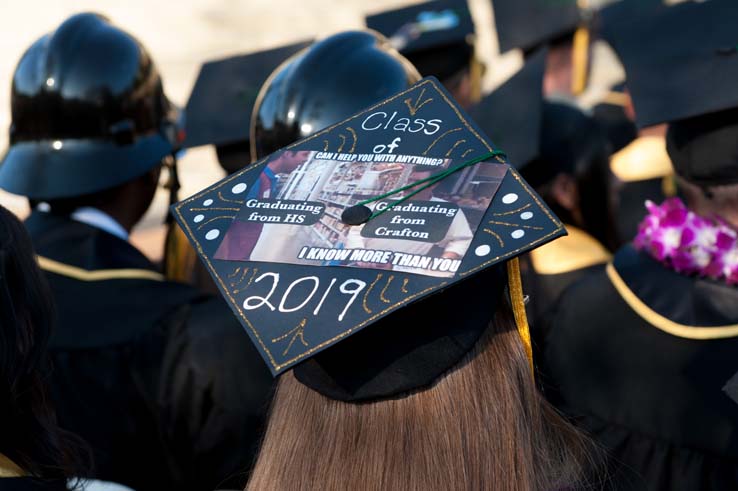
{"x": 45, "y": 170}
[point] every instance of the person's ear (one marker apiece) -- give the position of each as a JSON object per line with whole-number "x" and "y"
{"x": 565, "y": 192}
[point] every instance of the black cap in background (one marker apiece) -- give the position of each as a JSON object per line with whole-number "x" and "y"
{"x": 681, "y": 67}
{"x": 682, "y": 62}
{"x": 619, "y": 15}
{"x": 528, "y": 24}
{"x": 219, "y": 109}
{"x": 436, "y": 36}
{"x": 511, "y": 115}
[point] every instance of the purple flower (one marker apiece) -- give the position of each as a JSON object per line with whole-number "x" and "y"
{"x": 689, "y": 243}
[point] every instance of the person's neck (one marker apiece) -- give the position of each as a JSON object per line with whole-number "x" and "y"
{"x": 124, "y": 217}
{"x": 659, "y": 130}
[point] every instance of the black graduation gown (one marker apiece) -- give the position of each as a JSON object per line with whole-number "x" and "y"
{"x": 548, "y": 270}
{"x": 161, "y": 381}
{"x": 640, "y": 355}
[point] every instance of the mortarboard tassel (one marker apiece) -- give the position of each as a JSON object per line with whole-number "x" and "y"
{"x": 476, "y": 74}
{"x": 580, "y": 61}
{"x": 515, "y": 285}
{"x": 580, "y": 55}
{"x": 179, "y": 256}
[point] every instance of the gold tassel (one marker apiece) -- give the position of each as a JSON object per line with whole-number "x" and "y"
{"x": 476, "y": 74}
{"x": 580, "y": 61}
{"x": 518, "y": 305}
{"x": 9, "y": 469}
{"x": 179, "y": 256}
{"x": 669, "y": 186}
{"x": 580, "y": 53}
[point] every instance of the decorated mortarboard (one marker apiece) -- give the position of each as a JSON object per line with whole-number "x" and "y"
{"x": 513, "y": 112}
{"x": 529, "y": 24}
{"x": 370, "y": 256}
{"x": 435, "y": 36}
{"x": 219, "y": 109}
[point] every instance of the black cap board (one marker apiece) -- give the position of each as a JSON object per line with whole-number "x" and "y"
{"x": 619, "y": 15}
{"x": 682, "y": 62}
{"x": 435, "y": 36}
{"x": 376, "y": 309}
{"x": 528, "y": 24}
{"x": 681, "y": 65}
{"x": 219, "y": 109}
{"x": 513, "y": 112}
{"x": 426, "y": 25}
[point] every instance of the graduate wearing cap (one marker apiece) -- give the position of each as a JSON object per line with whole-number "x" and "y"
{"x": 389, "y": 379}
{"x": 563, "y": 153}
{"x": 140, "y": 362}
{"x": 219, "y": 109}
{"x": 644, "y": 353}
{"x": 562, "y": 26}
{"x": 640, "y": 164}
{"x": 438, "y": 38}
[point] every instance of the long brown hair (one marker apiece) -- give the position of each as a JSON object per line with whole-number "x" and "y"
{"x": 31, "y": 437}
{"x": 483, "y": 425}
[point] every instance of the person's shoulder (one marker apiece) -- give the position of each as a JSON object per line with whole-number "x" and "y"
{"x": 213, "y": 335}
{"x": 587, "y": 285}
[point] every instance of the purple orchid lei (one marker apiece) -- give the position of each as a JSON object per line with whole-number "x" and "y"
{"x": 688, "y": 243}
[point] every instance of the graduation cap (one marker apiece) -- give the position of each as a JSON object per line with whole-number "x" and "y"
{"x": 618, "y": 15}
{"x": 681, "y": 65}
{"x": 542, "y": 138}
{"x": 513, "y": 112}
{"x": 529, "y": 24}
{"x": 436, "y": 36}
{"x": 369, "y": 311}
{"x": 219, "y": 109}
{"x": 681, "y": 62}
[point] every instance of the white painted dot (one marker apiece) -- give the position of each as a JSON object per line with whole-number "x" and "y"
{"x": 207, "y": 202}
{"x": 526, "y": 215}
{"x": 50, "y": 82}
{"x": 482, "y": 250}
{"x": 57, "y": 144}
{"x": 212, "y": 234}
{"x": 518, "y": 234}
{"x": 510, "y": 198}
{"x": 238, "y": 188}
{"x": 199, "y": 218}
